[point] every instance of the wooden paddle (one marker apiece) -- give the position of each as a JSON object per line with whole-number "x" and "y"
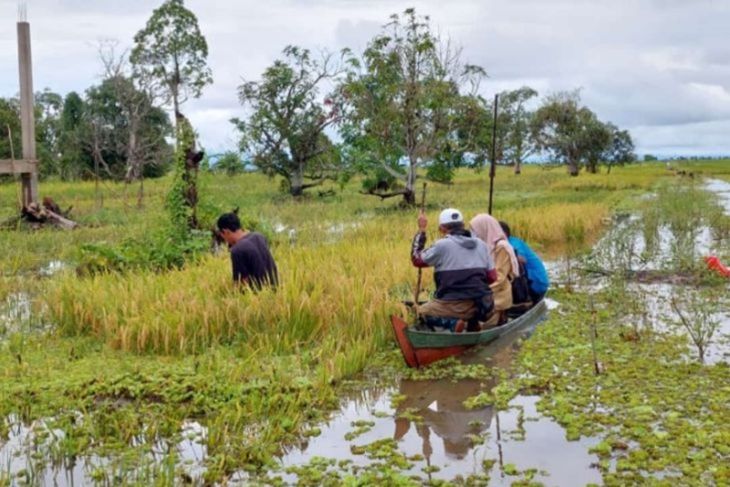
{"x": 420, "y": 270}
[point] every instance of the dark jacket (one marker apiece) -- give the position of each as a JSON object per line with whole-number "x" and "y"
{"x": 462, "y": 264}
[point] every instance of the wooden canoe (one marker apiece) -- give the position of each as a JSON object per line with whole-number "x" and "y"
{"x": 421, "y": 347}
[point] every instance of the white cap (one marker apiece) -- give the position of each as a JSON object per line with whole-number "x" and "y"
{"x": 450, "y": 215}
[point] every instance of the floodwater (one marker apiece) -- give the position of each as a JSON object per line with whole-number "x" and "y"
{"x": 23, "y": 457}
{"x": 433, "y": 423}
{"x": 52, "y": 268}
{"x": 722, "y": 190}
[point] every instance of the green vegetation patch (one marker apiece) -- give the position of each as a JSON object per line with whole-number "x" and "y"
{"x": 657, "y": 412}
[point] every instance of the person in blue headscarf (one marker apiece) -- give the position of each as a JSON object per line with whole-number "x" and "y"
{"x": 537, "y": 276}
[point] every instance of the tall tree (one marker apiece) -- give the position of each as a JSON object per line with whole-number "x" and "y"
{"x": 118, "y": 142}
{"x": 568, "y": 132}
{"x": 405, "y": 100}
{"x": 621, "y": 149}
{"x": 137, "y": 100}
{"x": 171, "y": 53}
{"x": 598, "y": 138}
{"x": 48, "y": 108}
{"x": 285, "y": 133}
{"x": 72, "y": 156}
{"x": 518, "y": 139}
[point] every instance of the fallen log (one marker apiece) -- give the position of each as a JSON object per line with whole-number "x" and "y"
{"x": 47, "y": 213}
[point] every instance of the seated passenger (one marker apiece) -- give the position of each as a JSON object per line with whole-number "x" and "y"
{"x": 537, "y": 276}
{"x": 486, "y": 228}
{"x": 463, "y": 271}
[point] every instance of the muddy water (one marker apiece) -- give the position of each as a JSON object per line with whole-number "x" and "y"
{"x": 29, "y": 460}
{"x": 433, "y": 423}
{"x": 722, "y": 190}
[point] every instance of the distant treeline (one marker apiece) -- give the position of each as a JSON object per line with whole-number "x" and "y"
{"x": 407, "y": 105}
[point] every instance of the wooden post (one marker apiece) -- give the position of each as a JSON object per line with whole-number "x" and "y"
{"x": 27, "y": 123}
{"x": 493, "y": 168}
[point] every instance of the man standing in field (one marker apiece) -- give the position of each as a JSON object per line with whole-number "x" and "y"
{"x": 463, "y": 271}
{"x": 253, "y": 264}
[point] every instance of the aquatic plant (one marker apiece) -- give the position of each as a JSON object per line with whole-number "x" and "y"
{"x": 697, "y": 313}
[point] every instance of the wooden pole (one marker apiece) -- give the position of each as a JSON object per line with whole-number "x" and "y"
{"x": 493, "y": 168}
{"x": 417, "y": 291}
{"x": 27, "y": 123}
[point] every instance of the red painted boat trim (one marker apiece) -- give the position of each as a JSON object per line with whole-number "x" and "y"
{"x": 419, "y": 357}
{"x": 409, "y": 353}
{"x": 425, "y": 356}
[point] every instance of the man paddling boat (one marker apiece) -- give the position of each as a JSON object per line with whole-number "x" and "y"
{"x": 463, "y": 272}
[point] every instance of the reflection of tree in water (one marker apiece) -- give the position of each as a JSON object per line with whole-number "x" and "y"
{"x": 440, "y": 405}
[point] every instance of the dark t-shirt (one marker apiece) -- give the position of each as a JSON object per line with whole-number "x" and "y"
{"x": 252, "y": 261}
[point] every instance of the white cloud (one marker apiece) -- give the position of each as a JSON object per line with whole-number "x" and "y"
{"x": 658, "y": 67}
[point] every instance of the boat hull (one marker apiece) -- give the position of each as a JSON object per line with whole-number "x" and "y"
{"x": 421, "y": 348}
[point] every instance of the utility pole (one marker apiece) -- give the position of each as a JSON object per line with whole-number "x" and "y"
{"x": 25, "y": 66}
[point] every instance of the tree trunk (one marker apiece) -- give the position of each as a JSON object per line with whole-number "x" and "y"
{"x": 409, "y": 194}
{"x": 176, "y": 108}
{"x": 573, "y": 168}
{"x": 518, "y": 167}
{"x": 140, "y": 193}
{"x": 296, "y": 181}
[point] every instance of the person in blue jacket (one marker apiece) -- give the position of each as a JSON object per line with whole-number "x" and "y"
{"x": 535, "y": 269}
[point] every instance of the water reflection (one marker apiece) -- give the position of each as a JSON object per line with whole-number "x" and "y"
{"x": 431, "y": 421}
{"x": 440, "y": 408}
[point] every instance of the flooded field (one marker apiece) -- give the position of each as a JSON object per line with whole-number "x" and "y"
{"x": 430, "y": 425}
{"x": 592, "y": 395}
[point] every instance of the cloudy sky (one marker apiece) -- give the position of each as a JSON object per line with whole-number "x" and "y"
{"x": 658, "y": 67}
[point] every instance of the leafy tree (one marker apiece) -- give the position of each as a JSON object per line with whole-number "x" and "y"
{"x": 650, "y": 158}
{"x": 405, "y": 105}
{"x": 116, "y": 140}
{"x": 285, "y": 132}
{"x": 48, "y": 130}
{"x": 598, "y": 136}
{"x": 171, "y": 54}
{"x": 10, "y": 120}
{"x": 621, "y": 149}
{"x": 517, "y": 139}
{"x": 229, "y": 163}
{"x": 48, "y": 108}
{"x": 72, "y": 158}
{"x": 569, "y": 132}
{"x": 513, "y": 137}
{"x": 137, "y": 101}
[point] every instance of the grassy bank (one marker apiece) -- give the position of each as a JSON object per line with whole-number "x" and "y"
{"x": 137, "y": 353}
